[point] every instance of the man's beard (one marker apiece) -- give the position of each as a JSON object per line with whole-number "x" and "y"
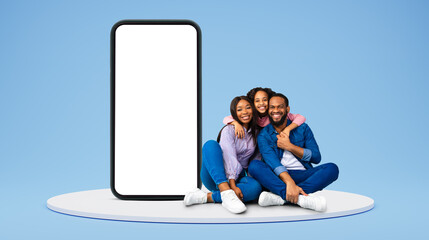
{"x": 279, "y": 123}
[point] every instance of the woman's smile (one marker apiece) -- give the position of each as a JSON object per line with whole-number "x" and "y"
{"x": 245, "y": 117}
{"x": 262, "y": 108}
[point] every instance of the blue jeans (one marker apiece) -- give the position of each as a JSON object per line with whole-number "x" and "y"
{"x": 310, "y": 180}
{"x": 213, "y": 174}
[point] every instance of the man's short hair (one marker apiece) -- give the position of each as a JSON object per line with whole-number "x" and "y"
{"x": 282, "y": 96}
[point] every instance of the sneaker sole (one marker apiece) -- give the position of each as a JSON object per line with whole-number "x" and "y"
{"x": 235, "y": 211}
{"x": 186, "y": 198}
{"x": 323, "y": 203}
{"x": 262, "y": 197}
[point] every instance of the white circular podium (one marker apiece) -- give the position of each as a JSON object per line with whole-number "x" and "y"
{"x": 103, "y": 205}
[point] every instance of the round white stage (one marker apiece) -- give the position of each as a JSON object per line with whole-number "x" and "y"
{"x": 103, "y": 205}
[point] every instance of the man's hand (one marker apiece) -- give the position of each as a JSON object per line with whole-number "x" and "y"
{"x": 292, "y": 192}
{"x": 237, "y": 192}
{"x": 283, "y": 142}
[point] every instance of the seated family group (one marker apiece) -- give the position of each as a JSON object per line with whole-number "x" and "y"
{"x": 264, "y": 152}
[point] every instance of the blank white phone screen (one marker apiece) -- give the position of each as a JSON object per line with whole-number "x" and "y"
{"x": 155, "y": 148}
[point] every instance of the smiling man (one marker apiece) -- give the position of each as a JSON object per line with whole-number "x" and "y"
{"x": 286, "y": 169}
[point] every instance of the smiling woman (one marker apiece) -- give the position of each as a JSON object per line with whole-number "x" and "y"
{"x": 244, "y": 110}
{"x": 225, "y": 163}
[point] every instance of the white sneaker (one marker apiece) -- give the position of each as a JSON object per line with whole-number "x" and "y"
{"x": 231, "y": 202}
{"x": 270, "y": 199}
{"x": 195, "y": 197}
{"x": 316, "y": 203}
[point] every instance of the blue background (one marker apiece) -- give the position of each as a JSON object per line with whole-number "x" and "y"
{"x": 358, "y": 70}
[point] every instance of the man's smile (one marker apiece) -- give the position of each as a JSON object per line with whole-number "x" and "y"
{"x": 276, "y": 116}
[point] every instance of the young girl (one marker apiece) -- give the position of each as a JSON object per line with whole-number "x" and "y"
{"x": 260, "y": 97}
{"x": 225, "y": 163}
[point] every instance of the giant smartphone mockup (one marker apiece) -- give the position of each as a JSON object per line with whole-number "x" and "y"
{"x": 155, "y": 109}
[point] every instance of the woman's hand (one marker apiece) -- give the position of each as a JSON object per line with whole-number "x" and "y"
{"x": 236, "y": 189}
{"x": 286, "y": 131}
{"x": 289, "y": 128}
{"x": 239, "y": 131}
{"x": 238, "y": 192}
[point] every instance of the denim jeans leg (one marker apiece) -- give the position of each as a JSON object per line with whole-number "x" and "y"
{"x": 267, "y": 178}
{"x": 315, "y": 179}
{"x": 213, "y": 171}
{"x": 250, "y": 188}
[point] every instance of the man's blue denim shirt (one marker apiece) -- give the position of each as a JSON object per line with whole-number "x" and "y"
{"x": 301, "y": 136}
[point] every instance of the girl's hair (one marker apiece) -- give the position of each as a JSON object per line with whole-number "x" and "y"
{"x": 251, "y": 94}
{"x": 253, "y": 125}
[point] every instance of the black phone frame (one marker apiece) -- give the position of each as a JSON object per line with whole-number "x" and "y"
{"x": 112, "y": 105}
